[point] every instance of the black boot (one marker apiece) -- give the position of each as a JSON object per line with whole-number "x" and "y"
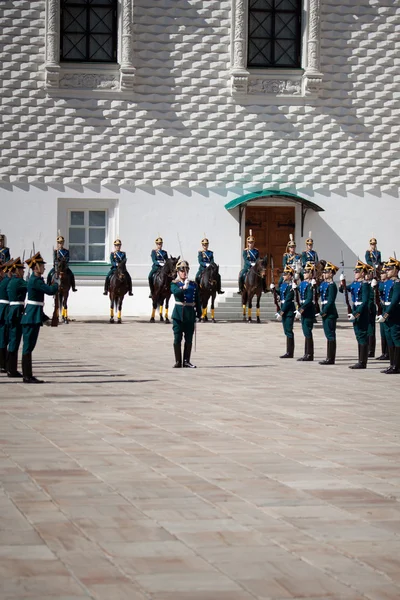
{"x": 3, "y": 360}
{"x": 391, "y": 359}
{"x": 178, "y": 356}
{"x": 187, "y": 350}
{"x": 239, "y": 286}
{"x": 362, "y": 357}
{"x": 371, "y": 346}
{"x": 73, "y": 282}
{"x": 309, "y": 356}
{"x": 106, "y": 287}
{"x": 12, "y": 365}
{"x": 384, "y": 348}
{"x": 394, "y": 368}
{"x": 303, "y": 358}
{"x": 330, "y": 354}
{"x": 151, "y": 286}
{"x": 27, "y": 370}
{"x": 289, "y": 348}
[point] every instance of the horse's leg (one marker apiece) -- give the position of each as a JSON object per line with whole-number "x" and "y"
{"x": 161, "y": 309}
{"x": 120, "y": 300}
{"x": 153, "y": 312}
{"x": 167, "y": 297}
{"x": 244, "y": 303}
{"x": 250, "y": 305}
{"x": 204, "y": 306}
{"x": 212, "y": 307}
{"x": 258, "y": 307}
{"x": 111, "y": 307}
{"x": 65, "y": 305}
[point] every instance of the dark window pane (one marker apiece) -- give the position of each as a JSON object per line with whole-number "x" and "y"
{"x": 77, "y": 252}
{"x": 274, "y": 33}
{"x": 76, "y": 235}
{"x": 97, "y": 218}
{"x": 77, "y": 217}
{"x": 97, "y": 236}
{"x": 96, "y": 252}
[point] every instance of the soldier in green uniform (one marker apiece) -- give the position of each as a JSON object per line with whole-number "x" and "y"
{"x": 32, "y": 318}
{"x": 17, "y": 289}
{"x": 187, "y": 307}
{"x": 360, "y": 294}
{"x": 4, "y": 306}
{"x": 370, "y": 279}
{"x": 285, "y": 292}
{"x": 306, "y": 312}
{"x": 4, "y": 251}
{"x": 329, "y": 314}
{"x": 391, "y": 315}
{"x": 382, "y": 329}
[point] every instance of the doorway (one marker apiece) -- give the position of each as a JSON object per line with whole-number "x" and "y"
{"x": 271, "y": 226}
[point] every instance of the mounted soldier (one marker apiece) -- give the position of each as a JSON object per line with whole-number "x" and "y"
{"x": 250, "y": 257}
{"x": 4, "y": 251}
{"x": 117, "y": 257}
{"x": 61, "y": 254}
{"x": 205, "y": 258}
{"x": 159, "y": 258}
{"x": 373, "y": 256}
{"x": 309, "y": 255}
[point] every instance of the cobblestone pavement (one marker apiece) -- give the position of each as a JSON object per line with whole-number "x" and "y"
{"x": 250, "y": 477}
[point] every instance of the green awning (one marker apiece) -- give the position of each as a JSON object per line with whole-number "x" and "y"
{"x": 241, "y": 202}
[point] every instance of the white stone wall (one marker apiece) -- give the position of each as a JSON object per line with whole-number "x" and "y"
{"x": 178, "y": 147}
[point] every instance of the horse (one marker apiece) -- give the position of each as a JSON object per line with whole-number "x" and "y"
{"x": 162, "y": 288}
{"x": 253, "y": 285}
{"x": 65, "y": 283}
{"x": 207, "y": 289}
{"x": 117, "y": 289}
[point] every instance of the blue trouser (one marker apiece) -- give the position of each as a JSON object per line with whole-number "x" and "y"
{"x": 30, "y": 334}
{"x": 360, "y": 327}
{"x": 329, "y": 325}
{"x": 183, "y": 327}
{"x": 307, "y": 324}
{"x": 287, "y": 322}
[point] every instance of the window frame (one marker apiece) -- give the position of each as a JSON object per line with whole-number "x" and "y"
{"x": 289, "y": 85}
{"x": 90, "y": 79}
{"x": 86, "y": 227}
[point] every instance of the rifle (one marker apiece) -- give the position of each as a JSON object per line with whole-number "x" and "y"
{"x": 344, "y": 284}
{"x": 377, "y": 296}
{"x": 315, "y": 293}
{"x": 278, "y": 308}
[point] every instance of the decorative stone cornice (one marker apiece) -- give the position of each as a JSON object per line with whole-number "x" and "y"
{"x": 84, "y": 77}
{"x": 302, "y": 82}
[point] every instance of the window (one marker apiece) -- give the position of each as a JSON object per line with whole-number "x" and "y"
{"x": 274, "y": 32}
{"x": 88, "y": 31}
{"x": 87, "y": 234}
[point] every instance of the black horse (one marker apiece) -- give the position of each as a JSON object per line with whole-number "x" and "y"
{"x": 62, "y": 271}
{"x": 162, "y": 288}
{"x": 208, "y": 289}
{"x": 118, "y": 287}
{"x": 253, "y": 286}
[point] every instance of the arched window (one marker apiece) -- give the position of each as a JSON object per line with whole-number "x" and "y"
{"x": 274, "y": 34}
{"x": 88, "y": 31}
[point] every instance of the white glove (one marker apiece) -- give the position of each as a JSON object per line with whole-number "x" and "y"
{"x": 272, "y": 286}
{"x": 297, "y": 276}
{"x": 351, "y": 317}
{"x": 374, "y": 283}
{"x": 380, "y": 319}
{"x": 294, "y": 285}
{"x": 316, "y": 317}
{"x": 297, "y": 315}
{"x": 342, "y": 277}
{"x": 313, "y": 282}
{"x": 278, "y": 316}
{"x": 186, "y": 284}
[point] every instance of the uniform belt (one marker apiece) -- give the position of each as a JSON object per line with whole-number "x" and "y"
{"x": 357, "y": 303}
{"x": 19, "y": 303}
{"x": 35, "y": 303}
{"x": 387, "y": 303}
{"x": 185, "y": 303}
{"x": 324, "y": 302}
{"x": 302, "y": 301}
{"x": 4, "y": 302}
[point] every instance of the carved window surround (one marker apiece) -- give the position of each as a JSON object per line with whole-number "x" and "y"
{"x": 276, "y": 83}
{"x": 83, "y": 78}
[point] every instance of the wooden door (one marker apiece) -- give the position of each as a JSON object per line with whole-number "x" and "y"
{"x": 271, "y": 226}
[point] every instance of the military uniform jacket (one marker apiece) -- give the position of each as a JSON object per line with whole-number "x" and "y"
{"x": 307, "y": 307}
{"x": 286, "y": 295}
{"x": 37, "y": 288}
{"x": 392, "y": 301}
{"x": 373, "y": 258}
{"x": 17, "y": 289}
{"x": 159, "y": 257}
{"x": 4, "y": 255}
{"x": 291, "y": 259}
{"x": 116, "y": 258}
{"x": 308, "y": 256}
{"x": 4, "y": 300}
{"x": 61, "y": 254}
{"x": 250, "y": 257}
{"x": 189, "y": 297}
{"x": 205, "y": 257}
{"x": 328, "y": 293}
{"x": 360, "y": 295}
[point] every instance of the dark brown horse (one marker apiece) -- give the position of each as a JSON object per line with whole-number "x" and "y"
{"x": 162, "y": 288}
{"x": 208, "y": 289}
{"x": 61, "y": 270}
{"x": 117, "y": 289}
{"x": 253, "y": 286}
